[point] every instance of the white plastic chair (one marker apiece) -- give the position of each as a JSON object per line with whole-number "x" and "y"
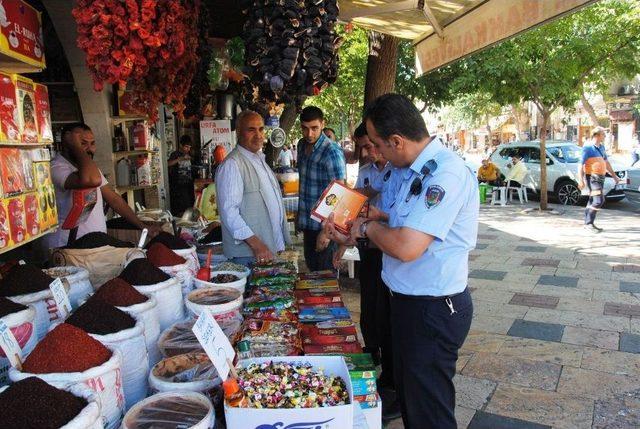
{"x": 520, "y": 190}
{"x": 351, "y": 255}
{"x": 499, "y": 196}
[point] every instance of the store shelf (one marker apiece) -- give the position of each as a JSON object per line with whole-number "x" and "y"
{"x": 28, "y": 240}
{"x": 9, "y": 64}
{"x": 123, "y": 154}
{"x": 26, "y": 145}
{"x": 121, "y": 119}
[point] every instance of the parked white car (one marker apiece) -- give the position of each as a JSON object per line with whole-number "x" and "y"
{"x": 633, "y": 184}
{"x": 563, "y": 161}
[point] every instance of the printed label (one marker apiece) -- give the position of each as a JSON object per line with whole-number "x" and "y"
{"x": 10, "y": 346}
{"x": 61, "y": 297}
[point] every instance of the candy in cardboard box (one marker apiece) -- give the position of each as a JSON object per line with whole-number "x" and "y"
{"x": 9, "y": 131}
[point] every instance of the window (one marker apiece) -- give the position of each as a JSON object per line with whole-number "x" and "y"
{"x": 532, "y": 156}
{"x": 566, "y": 154}
{"x": 508, "y": 152}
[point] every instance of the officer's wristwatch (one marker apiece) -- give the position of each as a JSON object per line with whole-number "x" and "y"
{"x": 363, "y": 228}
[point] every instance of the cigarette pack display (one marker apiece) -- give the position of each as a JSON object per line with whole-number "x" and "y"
{"x": 343, "y": 202}
{"x": 308, "y": 297}
{"x": 9, "y": 131}
{"x": 322, "y": 314}
{"x": 43, "y": 113}
{"x": 317, "y": 284}
{"x": 27, "y": 120}
{"x": 323, "y": 349}
{"x": 12, "y": 171}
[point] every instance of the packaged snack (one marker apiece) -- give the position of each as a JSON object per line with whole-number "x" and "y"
{"x": 323, "y": 349}
{"x": 4, "y": 225}
{"x": 12, "y": 171}
{"x": 317, "y": 297}
{"x": 17, "y": 220}
{"x": 43, "y": 113}
{"x": 315, "y": 275}
{"x": 27, "y": 120}
{"x": 9, "y": 131}
{"x": 314, "y": 335}
{"x": 323, "y": 314}
{"x": 318, "y": 284}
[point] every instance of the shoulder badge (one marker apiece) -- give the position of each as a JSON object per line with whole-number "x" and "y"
{"x": 433, "y": 196}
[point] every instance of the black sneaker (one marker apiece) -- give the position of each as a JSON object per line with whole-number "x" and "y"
{"x": 592, "y": 228}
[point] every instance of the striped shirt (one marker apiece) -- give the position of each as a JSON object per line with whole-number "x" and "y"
{"x": 325, "y": 164}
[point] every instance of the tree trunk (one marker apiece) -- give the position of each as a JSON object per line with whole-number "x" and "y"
{"x": 589, "y": 108}
{"x": 381, "y": 65}
{"x": 543, "y": 159}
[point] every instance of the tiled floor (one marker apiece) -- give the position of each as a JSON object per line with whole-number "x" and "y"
{"x": 555, "y": 340}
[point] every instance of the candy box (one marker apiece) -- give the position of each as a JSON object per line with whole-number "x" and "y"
{"x": 372, "y": 413}
{"x": 364, "y": 386}
{"x": 318, "y": 297}
{"x": 43, "y": 113}
{"x": 369, "y": 397}
{"x": 323, "y": 349}
{"x": 17, "y": 219}
{"x": 32, "y": 214}
{"x": 315, "y": 275}
{"x": 27, "y": 120}
{"x": 321, "y": 314}
{"x": 317, "y": 284}
{"x": 314, "y": 335}
{"x": 12, "y": 171}
{"x": 8, "y": 110}
{"x": 338, "y": 417}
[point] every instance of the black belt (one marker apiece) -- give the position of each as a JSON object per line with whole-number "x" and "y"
{"x": 399, "y": 295}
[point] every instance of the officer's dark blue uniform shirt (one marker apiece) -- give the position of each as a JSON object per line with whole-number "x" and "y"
{"x": 443, "y": 203}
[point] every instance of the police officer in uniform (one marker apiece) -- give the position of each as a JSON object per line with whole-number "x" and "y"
{"x": 426, "y": 238}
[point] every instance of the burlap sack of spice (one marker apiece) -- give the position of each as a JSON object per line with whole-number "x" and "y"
{"x": 103, "y": 263}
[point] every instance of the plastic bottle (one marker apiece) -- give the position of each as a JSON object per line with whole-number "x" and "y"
{"x": 244, "y": 350}
{"x": 233, "y": 393}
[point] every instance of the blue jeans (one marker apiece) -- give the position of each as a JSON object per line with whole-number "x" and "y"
{"x": 595, "y": 184}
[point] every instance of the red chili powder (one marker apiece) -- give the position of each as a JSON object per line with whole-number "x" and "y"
{"x": 161, "y": 256}
{"x": 119, "y": 293}
{"x": 66, "y": 349}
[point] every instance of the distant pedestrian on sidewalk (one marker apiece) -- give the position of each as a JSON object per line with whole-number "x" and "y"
{"x": 592, "y": 171}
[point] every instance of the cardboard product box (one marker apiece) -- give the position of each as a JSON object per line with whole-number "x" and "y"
{"x": 5, "y": 232}
{"x": 314, "y": 335}
{"x": 362, "y": 386}
{"x": 315, "y": 275}
{"x": 373, "y": 414}
{"x": 32, "y": 214}
{"x": 17, "y": 219}
{"x": 43, "y": 113}
{"x": 9, "y": 131}
{"x": 318, "y": 284}
{"x": 322, "y": 314}
{"x": 344, "y": 202}
{"x": 42, "y": 173}
{"x": 318, "y": 296}
{"x": 11, "y": 171}
{"x": 371, "y": 400}
{"x": 46, "y": 196}
{"x": 323, "y": 349}
{"x": 27, "y": 119}
{"x": 339, "y": 417}
{"x": 327, "y": 305}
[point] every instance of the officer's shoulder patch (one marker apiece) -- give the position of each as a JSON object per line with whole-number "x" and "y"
{"x": 433, "y": 196}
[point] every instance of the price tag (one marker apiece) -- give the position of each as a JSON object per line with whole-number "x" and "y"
{"x": 215, "y": 343}
{"x": 61, "y": 298}
{"x": 10, "y": 346}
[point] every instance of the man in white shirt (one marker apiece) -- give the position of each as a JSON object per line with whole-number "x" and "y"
{"x": 254, "y": 224}
{"x": 74, "y": 169}
{"x": 517, "y": 172}
{"x": 286, "y": 157}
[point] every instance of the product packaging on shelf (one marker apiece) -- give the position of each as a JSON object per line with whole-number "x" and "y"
{"x": 21, "y": 39}
{"x": 12, "y": 171}
{"x": 17, "y": 219}
{"x": 32, "y": 214}
{"x": 9, "y": 132}
{"x": 27, "y": 120}
{"x": 5, "y": 233}
{"x": 43, "y": 113}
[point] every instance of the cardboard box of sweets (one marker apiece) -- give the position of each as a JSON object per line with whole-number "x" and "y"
{"x": 317, "y": 296}
{"x": 344, "y": 203}
{"x": 323, "y": 349}
{"x": 318, "y": 284}
{"x": 322, "y": 314}
{"x": 314, "y": 335}
{"x": 363, "y": 386}
{"x": 315, "y": 275}
{"x": 367, "y": 401}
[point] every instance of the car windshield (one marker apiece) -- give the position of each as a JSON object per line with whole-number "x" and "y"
{"x": 566, "y": 153}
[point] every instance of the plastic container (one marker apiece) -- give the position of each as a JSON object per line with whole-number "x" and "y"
{"x": 105, "y": 380}
{"x": 168, "y": 294}
{"x": 22, "y": 326}
{"x": 184, "y": 410}
{"x": 192, "y": 372}
{"x": 146, "y": 312}
{"x": 239, "y": 284}
{"x": 180, "y": 339}
{"x": 79, "y": 284}
{"x": 89, "y": 417}
{"x": 217, "y": 301}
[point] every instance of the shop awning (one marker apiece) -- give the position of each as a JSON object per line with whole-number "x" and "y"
{"x": 446, "y": 30}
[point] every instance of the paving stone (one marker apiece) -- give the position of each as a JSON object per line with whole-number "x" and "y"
{"x": 595, "y": 384}
{"x": 472, "y": 392}
{"x": 629, "y": 342}
{"x": 593, "y": 275}
{"x": 540, "y": 406}
{"x": 567, "y": 264}
{"x": 482, "y": 420}
{"x": 522, "y": 279}
{"x": 625, "y": 276}
{"x": 564, "y": 292}
{"x": 633, "y": 287}
{"x": 487, "y": 274}
{"x": 536, "y": 330}
{"x": 463, "y": 416}
{"x": 562, "y": 281}
{"x": 499, "y": 310}
{"x": 514, "y": 370}
{"x": 491, "y": 294}
{"x": 617, "y": 309}
{"x": 493, "y": 324}
{"x": 611, "y": 361}
{"x": 582, "y": 320}
{"x": 591, "y": 337}
{"x": 481, "y": 246}
{"x": 473, "y": 257}
{"x": 545, "y": 351}
{"x": 533, "y": 300}
{"x": 613, "y": 296}
{"x": 621, "y": 412}
{"x": 531, "y": 249}
{"x": 482, "y": 342}
{"x": 581, "y": 305}
{"x": 463, "y": 359}
{"x": 543, "y": 270}
{"x": 519, "y": 269}
{"x": 599, "y": 284}
{"x": 541, "y": 262}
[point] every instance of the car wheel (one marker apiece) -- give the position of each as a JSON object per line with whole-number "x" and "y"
{"x": 568, "y": 193}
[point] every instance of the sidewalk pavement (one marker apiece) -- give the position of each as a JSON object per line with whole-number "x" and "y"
{"x": 555, "y": 339}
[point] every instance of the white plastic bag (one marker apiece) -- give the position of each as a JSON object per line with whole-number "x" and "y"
{"x": 135, "y": 365}
{"x": 187, "y": 410}
{"x": 182, "y": 273}
{"x": 79, "y": 284}
{"x": 168, "y": 294}
{"x": 191, "y": 256}
{"x": 22, "y": 326}
{"x": 192, "y": 372}
{"x": 45, "y": 306}
{"x": 105, "y": 380}
{"x": 180, "y": 339}
{"x": 147, "y": 313}
{"x": 89, "y": 417}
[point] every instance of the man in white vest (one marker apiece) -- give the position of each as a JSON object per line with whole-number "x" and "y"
{"x": 254, "y": 224}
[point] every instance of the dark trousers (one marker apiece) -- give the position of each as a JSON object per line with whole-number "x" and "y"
{"x": 426, "y": 339}
{"x": 317, "y": 261}
{"x": 375, "y": 321}
{"x": 182, "y": 197}
{"x": 595, "y": 184}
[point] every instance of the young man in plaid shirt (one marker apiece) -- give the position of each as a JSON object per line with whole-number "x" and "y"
{"x": 320, "y": 161}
